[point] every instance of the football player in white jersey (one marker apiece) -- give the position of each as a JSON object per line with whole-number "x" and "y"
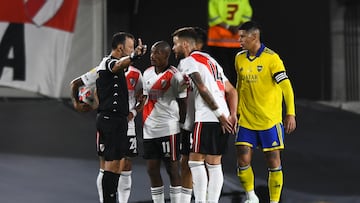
{"x": 164, "y": 91}
{"x": 187, "y": 128}
{"x": 215, "y": 114}
{"x": 87, "y": 79}
{"x": 134, "y": 83}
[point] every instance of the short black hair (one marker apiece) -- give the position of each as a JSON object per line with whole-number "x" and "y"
{"x": 250, "y": 26}
{"x": 186, "y": 32}
{"x": 163, "y": 46}
{"x": 202, "y": 35}
{"x": 119, "y": 38}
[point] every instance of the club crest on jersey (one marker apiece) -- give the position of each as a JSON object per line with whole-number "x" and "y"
{"x": 163, "y": 83}
{"x": 132, "y": 82}
{"x": 259, "y": 68}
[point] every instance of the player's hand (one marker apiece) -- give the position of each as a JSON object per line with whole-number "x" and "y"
{"x": 233, "y": 119}
{"x": 289, "y": 124}
{"x": 187, "y": 80}
{"x": 184, "y": 81}
{"x": 82, "y": 107}
{"x": 130, "y": 116}
{"x": 139, "y": 51}
{"x": 226, "y": 124}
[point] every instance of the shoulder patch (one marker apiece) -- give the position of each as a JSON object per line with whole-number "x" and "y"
{"x": 269, "y": 51}
{"x": 242, "y": 52}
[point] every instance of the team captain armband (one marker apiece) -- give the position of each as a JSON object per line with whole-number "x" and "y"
{"x": 280, "y": 76}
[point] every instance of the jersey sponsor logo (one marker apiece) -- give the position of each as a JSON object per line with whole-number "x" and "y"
{"x": 250, "y": 78}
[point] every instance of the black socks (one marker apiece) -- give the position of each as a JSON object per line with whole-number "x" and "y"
{"x": 110, "y": 183}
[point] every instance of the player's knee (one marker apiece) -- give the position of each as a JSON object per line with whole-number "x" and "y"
{"x": 273, "y": 159}
{"x": 127, "y": 165}
{"x": 173, "y": 171}
{"x": 153, "y": 171}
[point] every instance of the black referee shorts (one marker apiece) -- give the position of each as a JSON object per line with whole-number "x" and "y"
{"x": 112, "y": 130}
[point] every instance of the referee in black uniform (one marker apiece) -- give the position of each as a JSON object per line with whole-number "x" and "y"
{"x": 111, "y": 121}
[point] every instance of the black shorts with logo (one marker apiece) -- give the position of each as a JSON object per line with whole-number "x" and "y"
{"x": 186, "y": 142}
{"x": 132, "y": 145}
{"x": 112, "y": 139}
{"x": 209, "y": 138}
{"x": 165, "y": 148}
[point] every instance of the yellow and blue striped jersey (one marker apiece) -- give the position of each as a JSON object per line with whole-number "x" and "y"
{"x": 260, "y": 95}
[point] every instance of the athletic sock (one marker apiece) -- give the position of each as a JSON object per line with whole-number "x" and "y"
{"x": 250, "y": 195}
{"x": 186, "y": 195}
{"x": 124, "y": 187}
{"x": 99, "y": 185}
{"x": 216, "y": 181}
{"x": 109, "y": 184}
{"x": 200, "y": 180}
{"x": 157, "y": 194}
{"x": 246, "y": 177}
{"x": 275, "y": 183}
{"x": 175, "y": 194}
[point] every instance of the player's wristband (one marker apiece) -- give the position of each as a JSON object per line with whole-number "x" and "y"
{"x": 134, "y": 56}
{"x": 217, "y": 112}
{"x": 134, "y": 112}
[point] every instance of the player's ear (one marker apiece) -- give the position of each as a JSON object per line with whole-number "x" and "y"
{"x": 120, "y": 48}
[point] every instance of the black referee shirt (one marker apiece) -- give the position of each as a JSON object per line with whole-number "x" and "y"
{"x": 112, "y": 89}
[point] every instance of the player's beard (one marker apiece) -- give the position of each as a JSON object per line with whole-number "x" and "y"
{"x": 180, "y": 55}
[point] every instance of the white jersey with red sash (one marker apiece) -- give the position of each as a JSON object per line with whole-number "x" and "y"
{"x": 161, "y": 111}
{"x": 213, "y": 77}
{"x": 134, "y": 84}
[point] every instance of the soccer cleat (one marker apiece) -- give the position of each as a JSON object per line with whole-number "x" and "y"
{"x": 253, "y": 199}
